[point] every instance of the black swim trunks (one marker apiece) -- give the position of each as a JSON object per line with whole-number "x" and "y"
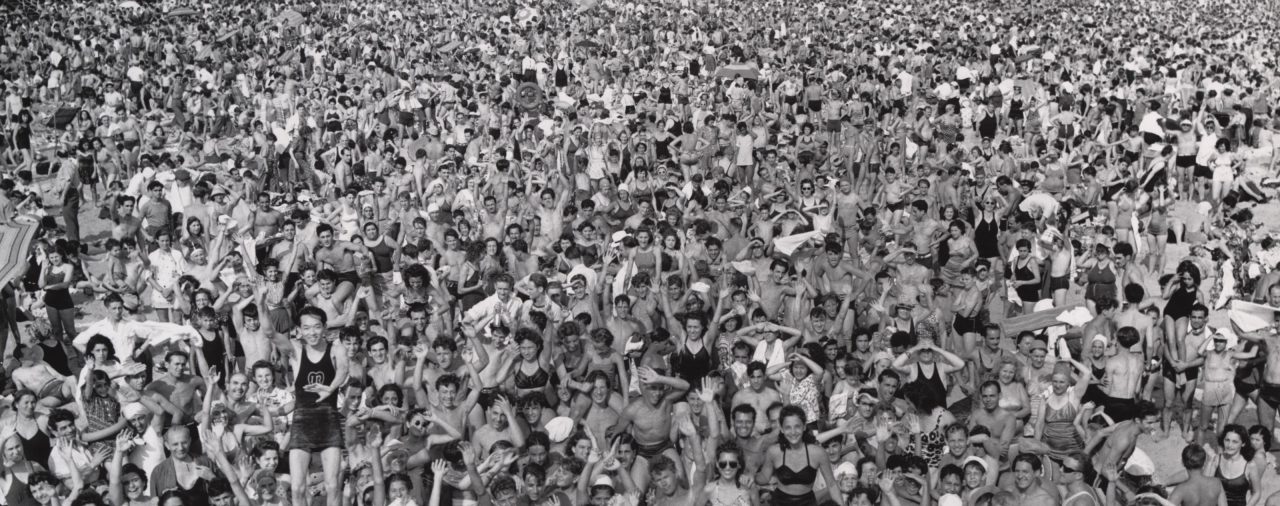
{"x": 1167, "y": 370}
{"x": 351, "y": 276}
{"x": 1269, "y": 394}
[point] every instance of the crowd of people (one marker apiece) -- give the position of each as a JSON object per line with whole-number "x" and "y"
{"x": 607, "y": 252}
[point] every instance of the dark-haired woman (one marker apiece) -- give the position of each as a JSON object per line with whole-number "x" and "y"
{"x": 783, "y": 461}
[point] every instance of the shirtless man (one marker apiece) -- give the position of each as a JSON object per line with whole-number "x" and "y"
{"x": 1119, "y": 445}
{"x": 1059, "y": 271}
{"x": 384, "y": 368}
{"x": 1198, "y": 490}
{"x": 910, "y": 272}
{"x": 776, "y": 288}
{"x": 1027, "y": 488}
{"x": 1220, "y": 364}
{"x": 601, "y": 407}
{"x": 622, "y": 324}
{"x": 1122, "y": 377}
{"x": 340, "y": 307}
{"x": 1130, "y": 272}
{"x": 1000, "y": 421}
{"x": 1269, "y": 390}
{"x": 500, "y": 424}
{"x": 747, "y": 436}
{"x": 447, "y": 407}
{"x": 122, "y": 273}
{"x": 667, "y": 488}
{"x": 339, "y": 256}
{"x": 52, "y": 389}
{"x": 1104, "y": 322}
{"x": 649, "y": 418}
{"x": 960, "y": 449}
{"x": 126, "y": 223}
{"x": 923, "y": 229}
{"x": 258, "y": 342}
{"x": 836, "y": 274}
{"x": 1189, "y": 367}
{"x": 984, "y": 362}
{"x": 760, "y": 396}
{"x": 847, "y": 212}
{"x": 180, "y": 390}
{"x": 1132, "y": 316}
{"x": 266, "y": 220}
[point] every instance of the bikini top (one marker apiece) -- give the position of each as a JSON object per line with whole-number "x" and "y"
{"x": 805, "y": 476}
{"x": 538, "y": 379}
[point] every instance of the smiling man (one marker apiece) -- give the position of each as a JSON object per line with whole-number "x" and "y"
{"x": 321, "y": 368}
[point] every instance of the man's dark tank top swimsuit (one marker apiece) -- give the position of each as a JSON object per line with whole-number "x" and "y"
{"x": 319, "y": 372}
{"x": 317, "y": 423}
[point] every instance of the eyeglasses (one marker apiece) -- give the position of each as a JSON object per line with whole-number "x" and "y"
{"x": 728, "y": 464}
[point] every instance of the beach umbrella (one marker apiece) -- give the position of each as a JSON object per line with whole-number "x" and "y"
{"x": 182, "y": 12}
{"x": 15, "y": 240}
{"x": 63, "y": 117}
{"x": 129, "y": 4}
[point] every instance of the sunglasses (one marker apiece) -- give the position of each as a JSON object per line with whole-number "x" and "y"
{"x": 728, "y": 464}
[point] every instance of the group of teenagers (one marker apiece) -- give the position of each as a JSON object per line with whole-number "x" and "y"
{"x": 912, "y": 253}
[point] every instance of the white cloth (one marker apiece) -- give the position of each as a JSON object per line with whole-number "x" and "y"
{"x": 771, "y": 355}
{"x": 492, "y": 306}
{"x": 126, "y": 334}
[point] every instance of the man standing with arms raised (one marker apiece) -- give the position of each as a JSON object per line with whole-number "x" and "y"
{"x": 321, "y": 369}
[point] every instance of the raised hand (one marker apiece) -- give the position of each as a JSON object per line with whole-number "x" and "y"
{"x": 708, "y": 392}
{"x": 438, "y": 469}
{"x": 124, "y": 441}
{"x": 468, "y": 454}
{"x": 373, "y": 439}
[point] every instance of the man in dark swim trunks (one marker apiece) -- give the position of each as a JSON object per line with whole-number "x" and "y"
{"x": 649, "y": 417}
{"x": 1197, "y": 333}
{"x": 339, "y": 256}
{"x": 1269, "y": 389}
